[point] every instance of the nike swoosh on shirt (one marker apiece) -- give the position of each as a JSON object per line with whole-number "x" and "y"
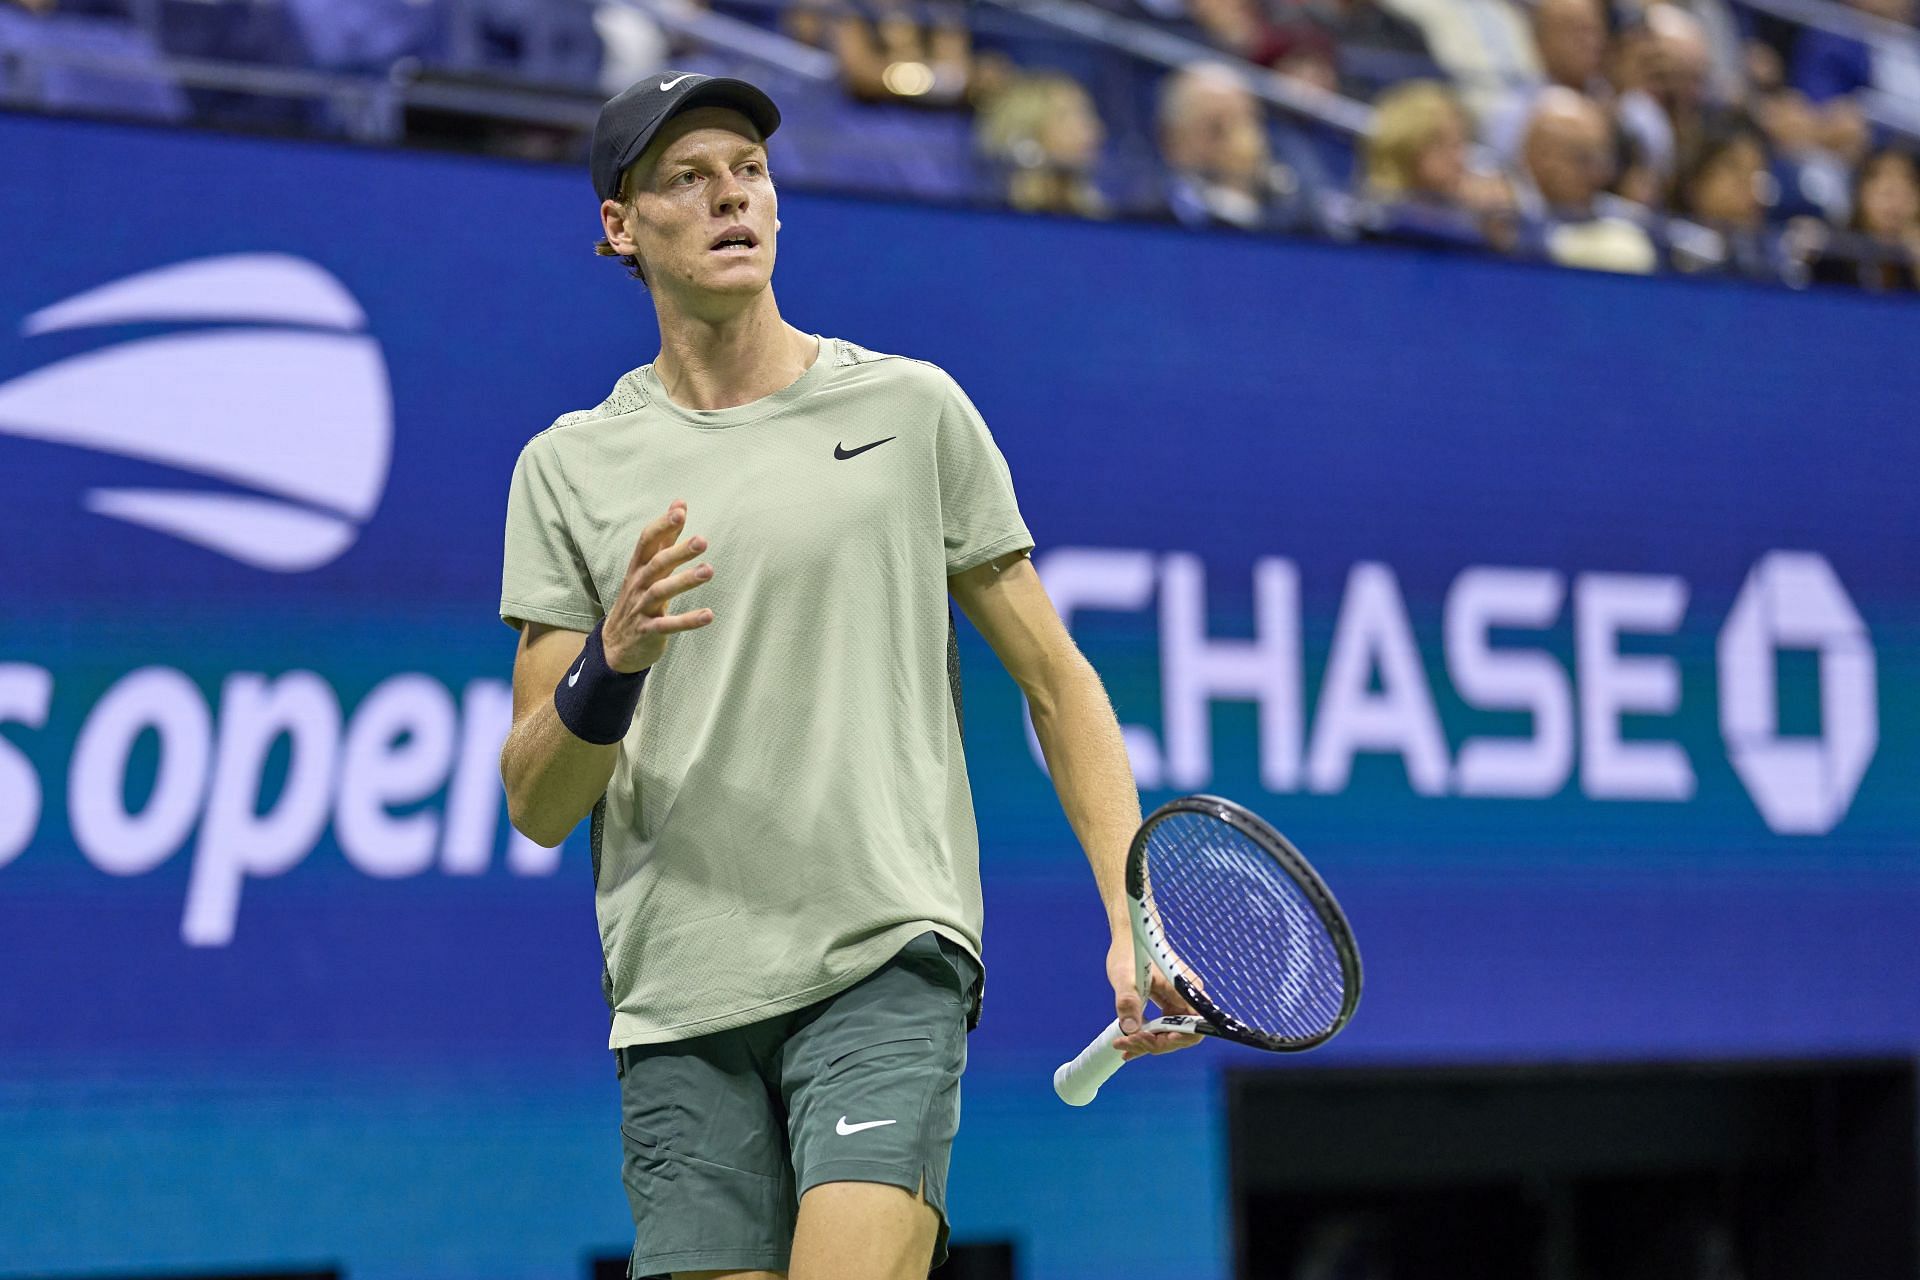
{"x": 843, "y": 1128}
{"x": 668, "y": 84}
{"x": 841, "y": 452}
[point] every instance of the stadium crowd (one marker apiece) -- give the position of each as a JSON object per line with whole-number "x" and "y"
{"x": 1695, "y": 136}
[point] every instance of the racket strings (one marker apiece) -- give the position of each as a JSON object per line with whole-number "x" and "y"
{"x": 1242, "y": 928}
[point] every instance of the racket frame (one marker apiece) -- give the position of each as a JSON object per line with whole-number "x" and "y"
{"x": 1150, "y": 939}
{"x": 1078, "y": 1081}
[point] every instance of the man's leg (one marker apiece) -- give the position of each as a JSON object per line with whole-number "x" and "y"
{"x": 871, "y": 1082}
{"x": 705, "y": 1164}
{"x": 863, "y": 1231}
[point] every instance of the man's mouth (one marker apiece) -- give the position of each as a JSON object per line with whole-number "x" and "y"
{"x": 734, "y": 240}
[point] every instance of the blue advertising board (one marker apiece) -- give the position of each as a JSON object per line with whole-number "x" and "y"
{"x": 1570, "y": 624}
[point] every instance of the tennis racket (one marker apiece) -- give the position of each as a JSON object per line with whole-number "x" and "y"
{"x": 1243, "y": 928}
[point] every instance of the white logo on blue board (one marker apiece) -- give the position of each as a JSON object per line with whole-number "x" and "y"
{"x": 292, "y": 403}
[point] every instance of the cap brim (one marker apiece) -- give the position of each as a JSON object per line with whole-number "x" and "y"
{"x": 721, "y": 91}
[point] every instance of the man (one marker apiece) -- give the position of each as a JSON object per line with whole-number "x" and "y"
{"x": 1568, "y": 162}
{"x": 1221, "y": 171}
{"x": 1673, "y": 112}
{"x": 1570, "y": 39}
{"x": 785, "y": 861}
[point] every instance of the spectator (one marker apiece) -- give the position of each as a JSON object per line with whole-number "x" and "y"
{"x": 1570, "y": 40}
{"x": 1723, "y": 31}
{"x": 1827, "y": 65}
{"x": 1417, "y": 173}
{"x": 1043, "y": 133}
{"x": 1221, "y": 170}
{"x": 1882, "y": 248}
{"x": 1483, "y": 45}
{"x": 1568, "y": 161}
{"x": 1668, "y": 112}
{"x": 1723, "y": 197}
{"x": 922, "y": 57}
{"x": 1816, "y": 150}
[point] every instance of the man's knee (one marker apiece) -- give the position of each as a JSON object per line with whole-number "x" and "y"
{"x": 864, "y": 1231}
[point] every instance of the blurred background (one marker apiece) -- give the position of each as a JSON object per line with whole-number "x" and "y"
{"x": 1570, "y": 623}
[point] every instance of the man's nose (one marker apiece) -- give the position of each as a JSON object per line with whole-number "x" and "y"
{"x": 730, "y": 196}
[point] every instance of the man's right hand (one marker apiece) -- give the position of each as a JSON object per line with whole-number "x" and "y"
{"x": 636, "y": 630}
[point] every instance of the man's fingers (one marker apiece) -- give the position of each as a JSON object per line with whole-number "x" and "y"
{"x": 663, "y": 526}
{"x": 654, "y": 599}
{"x": 1127, "y": 1007}
{"x": 1146, "y": 1042}
{"x": 679, "y": 621}
{"x": 666, "y": 560}
{"x": 1168, "y": 998}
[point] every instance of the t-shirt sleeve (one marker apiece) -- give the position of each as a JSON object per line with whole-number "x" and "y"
{"x": 543, "y": 576}
{"x": 978, "y": 514}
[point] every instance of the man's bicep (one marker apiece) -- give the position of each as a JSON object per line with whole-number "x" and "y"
{"x": 544, "y": 655}
{"x": 1005, "y": 600}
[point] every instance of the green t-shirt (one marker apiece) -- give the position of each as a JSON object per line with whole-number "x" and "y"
{"x": 791, "y": 804}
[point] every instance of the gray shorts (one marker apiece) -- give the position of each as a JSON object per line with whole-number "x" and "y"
{"x": 723, "y": 1133}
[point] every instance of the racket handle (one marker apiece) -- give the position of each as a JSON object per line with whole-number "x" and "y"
{"x": 1076, "y": 1082}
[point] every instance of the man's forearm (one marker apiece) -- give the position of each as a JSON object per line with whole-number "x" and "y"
{"x": 1087, "y": 757}
{"x": 553, "y": 779}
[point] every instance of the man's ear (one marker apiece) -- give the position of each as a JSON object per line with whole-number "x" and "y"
{"x": 614, "y": 221}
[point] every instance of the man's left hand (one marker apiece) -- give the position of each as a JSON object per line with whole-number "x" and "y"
{"x": 1129, "y": 1007}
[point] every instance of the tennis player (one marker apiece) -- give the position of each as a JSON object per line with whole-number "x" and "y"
{"x": 730, "y": 580}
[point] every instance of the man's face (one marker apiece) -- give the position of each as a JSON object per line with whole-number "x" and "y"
{"x": 1679, "y": 69}
{"x": 1572, "y": 35}
{"x": 1567, "y": 156}
{"x": 702, "y": 180}
{"x": 1222, "y": 138}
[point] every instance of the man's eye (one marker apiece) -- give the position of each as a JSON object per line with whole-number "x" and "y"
{"x": 684, "y": 179}
{"x": 752, "y": 166}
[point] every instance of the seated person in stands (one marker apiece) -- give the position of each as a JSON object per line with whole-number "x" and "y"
{"x": 1671, "y": 111}
{"x": 1723, "y": 197}
{"x": 1567, "y": 161}
{"x": 1816, "y": 148}
{"x": 1043, "y": 135}
{"x": 903, "y": 51}
{"x": 1220, "y": 166}
{"x": 1419, "y": 185}
{"x": 1880, "y": 249}
{"x": 1570, "y": 39}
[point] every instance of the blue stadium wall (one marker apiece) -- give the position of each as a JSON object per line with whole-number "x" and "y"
{"x": 1572, "y": 625}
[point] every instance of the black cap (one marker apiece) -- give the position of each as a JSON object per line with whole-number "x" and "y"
{"x": 628, "y": 122}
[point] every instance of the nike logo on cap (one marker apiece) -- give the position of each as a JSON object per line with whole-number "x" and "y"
{"x": 841, "y": 452}
{"x": 575, "y": 677}
{"x": 843, "y": 1128}
{"x": 668, "y": 84}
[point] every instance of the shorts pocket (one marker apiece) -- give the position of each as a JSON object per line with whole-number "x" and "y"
{"x": 903, "y": 1045}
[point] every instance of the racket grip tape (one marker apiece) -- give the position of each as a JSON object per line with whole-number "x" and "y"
{"x": 1078, "y": 1081}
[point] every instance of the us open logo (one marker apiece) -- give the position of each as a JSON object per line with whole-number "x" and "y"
{"x": 288, "y": 399}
